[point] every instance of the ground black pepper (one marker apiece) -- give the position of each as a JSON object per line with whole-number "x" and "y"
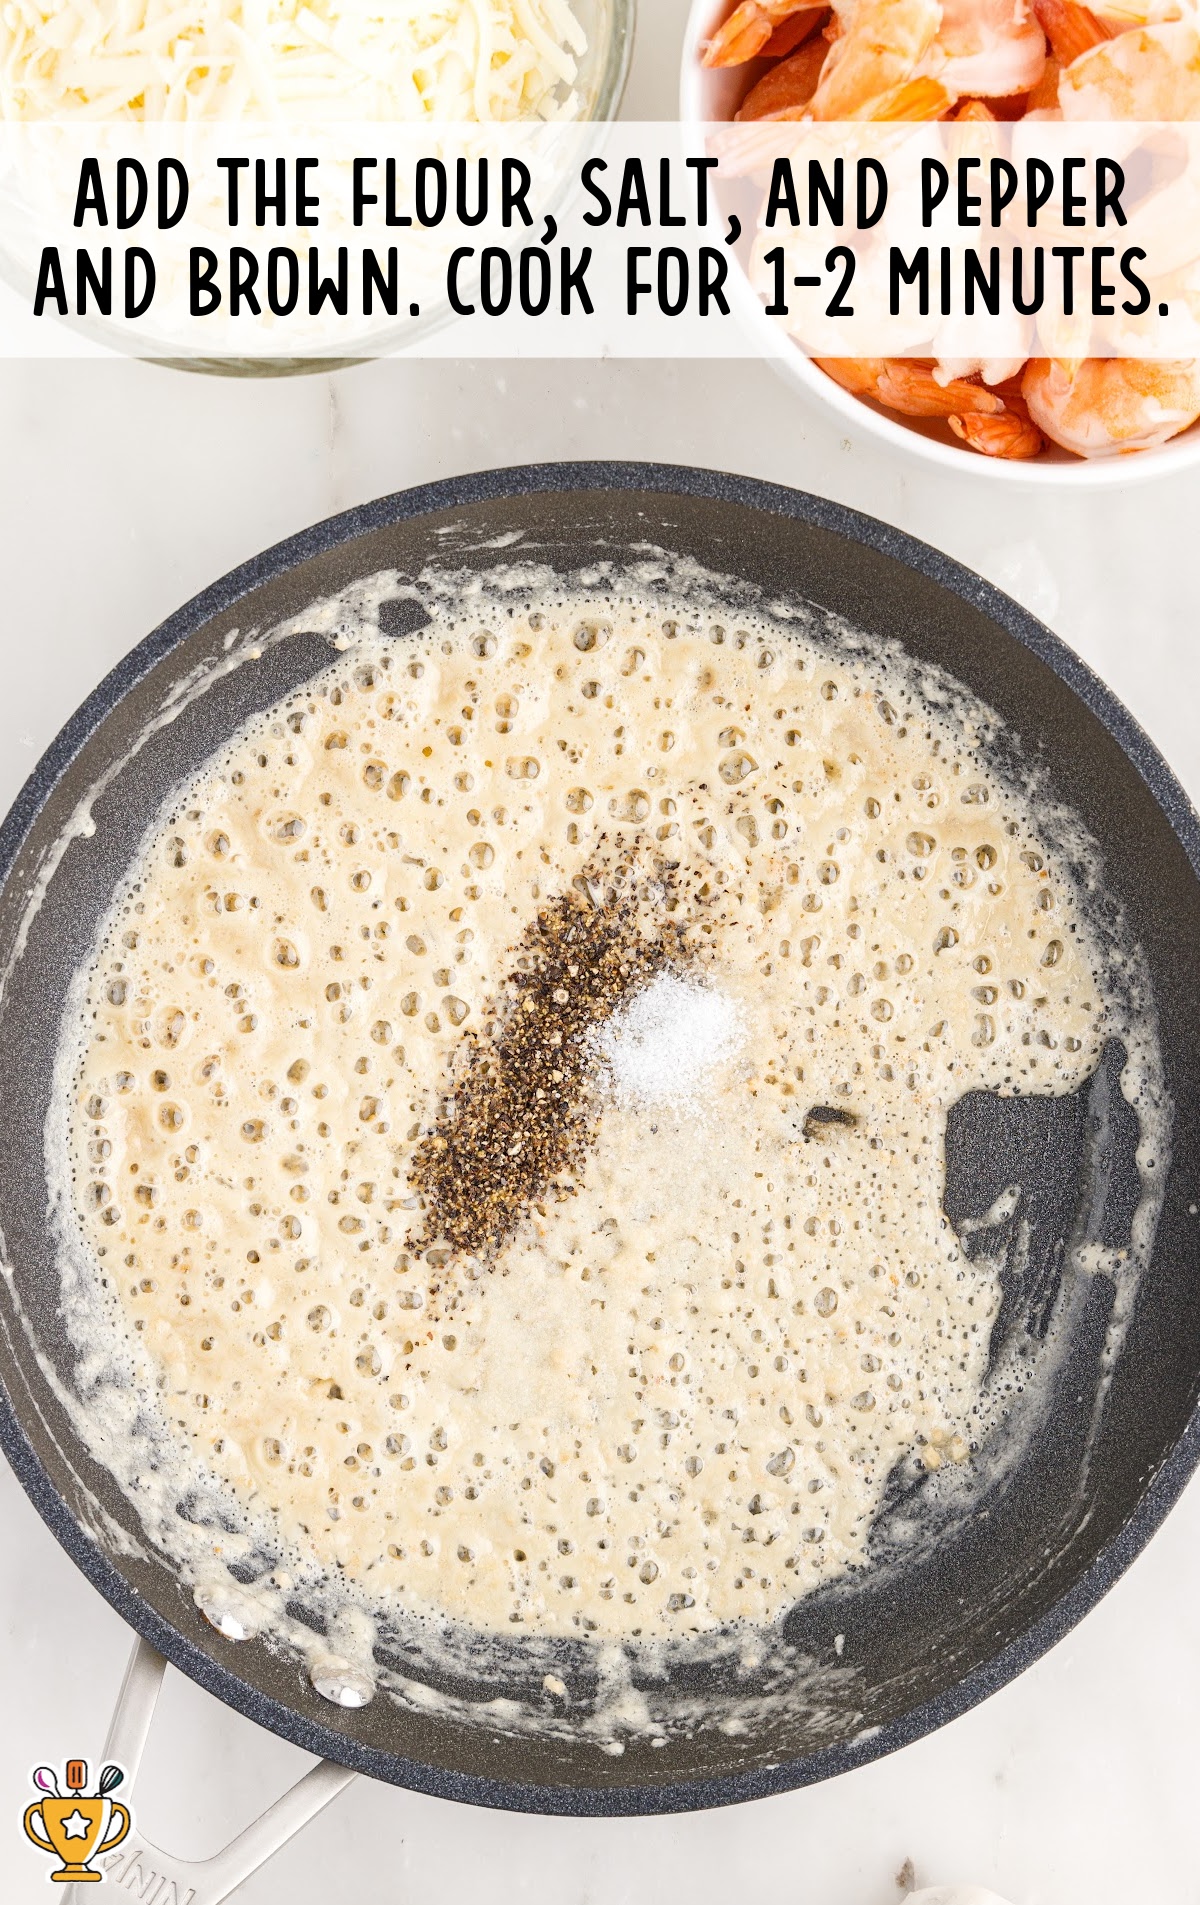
{"x": 521, "y": 1111}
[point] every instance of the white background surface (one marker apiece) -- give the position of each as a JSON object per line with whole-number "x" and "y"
{"x": 123, "y": 490}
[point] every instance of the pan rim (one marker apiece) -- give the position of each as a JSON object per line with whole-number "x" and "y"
{"x": 682, "y": 482}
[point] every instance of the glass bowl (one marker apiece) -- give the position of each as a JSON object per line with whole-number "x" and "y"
{"x": 603, "y": 73}
{"x": 604, "y": 68}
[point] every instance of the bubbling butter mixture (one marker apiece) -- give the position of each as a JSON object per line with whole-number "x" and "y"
{"x": 666, "y": 1389}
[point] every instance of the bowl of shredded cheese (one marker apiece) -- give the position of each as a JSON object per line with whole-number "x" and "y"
{"x": 296, "y": 61}
{"x": 288, "y": 69}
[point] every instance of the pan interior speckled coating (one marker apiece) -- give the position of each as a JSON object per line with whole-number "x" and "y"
{"x": 929, "y": 1640}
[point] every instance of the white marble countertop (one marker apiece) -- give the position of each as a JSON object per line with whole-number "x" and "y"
{"x": 124, "y": 489}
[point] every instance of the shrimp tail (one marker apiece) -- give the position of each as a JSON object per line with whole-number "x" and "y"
{"x": 920, "y": 98}
{"x": 1010, "y": 436}
{"x": 785, "y": 91}
{"x": 910, "y": 388}
{"x": 793, "y": 33}
{"x": 750, "y": 28}
{"x": 1070, "y": 28}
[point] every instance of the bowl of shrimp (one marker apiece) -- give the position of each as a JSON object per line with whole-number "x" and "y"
{"x": 1098, "y": 420}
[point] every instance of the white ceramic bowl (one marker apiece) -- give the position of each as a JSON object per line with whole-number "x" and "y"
{"x": 712, "y": 94}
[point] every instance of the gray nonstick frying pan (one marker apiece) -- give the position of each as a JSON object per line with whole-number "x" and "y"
{"x": 906, "y": 1647}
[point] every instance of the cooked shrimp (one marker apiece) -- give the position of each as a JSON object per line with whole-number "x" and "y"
{"x": 1070, "y": 28}
{"x": 879, "y": 52}
{"x": 909, "y": 388}
{"x": 976, "y": 61}
{"x": 919, "y": 98}
{"x": 993, "y": 371}
{"x": 992, "y": 48}
{"x": 793, "y": 32}
{"x": 1010, "y": 436}
{"x": 786, "y": 91}
{"x": 1122, "y": 14}
{"x": 748, "y": 30}
{"x": 1148, "y": 73}
{"x": 1043, "y": 98}
{"x": 1109, "y": 405}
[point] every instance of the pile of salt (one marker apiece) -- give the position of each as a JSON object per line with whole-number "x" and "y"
{"x": 664, "y": 1044}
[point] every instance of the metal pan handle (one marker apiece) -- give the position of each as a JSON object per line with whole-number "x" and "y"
{"x": 149, "y": 1872}
{"x": 146, "y": 1869}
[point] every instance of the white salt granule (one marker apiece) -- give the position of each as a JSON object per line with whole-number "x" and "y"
{"x": 663, "y": 1045}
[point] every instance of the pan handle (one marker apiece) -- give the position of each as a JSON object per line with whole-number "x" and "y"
{"x": 147, "y": 1869}
{"x": 153, "y": 1873}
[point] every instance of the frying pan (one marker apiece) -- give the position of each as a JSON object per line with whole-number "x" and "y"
{"x": 901, "y": 1649}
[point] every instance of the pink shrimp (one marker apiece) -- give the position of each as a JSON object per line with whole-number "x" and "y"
{"x": 1011, "y": 436}
{"x": 918, "y": 59}
{"x": 910, "y": 388}
{"x": 879, "y": 52}
{"x": 1070, "y": 28}
{"x": 995, "y": 425}
{"x": 1148, "y": 73}
{"x": 1107, "y": 406}
{"x": 919, "y": 98}
{"x": 786, "y": 91}
{"x": 794, "y": 32}
{"x": 992, "y": 48}
{"x": 749, "y": 29}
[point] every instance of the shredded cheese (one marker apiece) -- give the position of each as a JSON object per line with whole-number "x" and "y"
{"x": 403, "y": 61}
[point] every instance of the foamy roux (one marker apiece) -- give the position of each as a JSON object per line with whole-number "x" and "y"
{"x": 676, "y": 1400}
